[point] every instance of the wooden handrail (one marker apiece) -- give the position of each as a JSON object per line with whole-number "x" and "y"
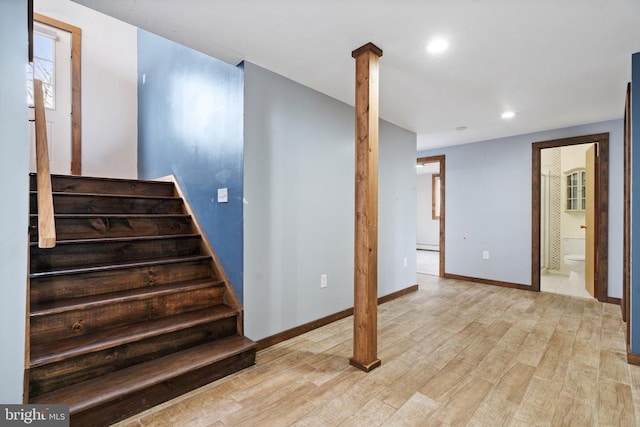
{"x": 46, "y": 220}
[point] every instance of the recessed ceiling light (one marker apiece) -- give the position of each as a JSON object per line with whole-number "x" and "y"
{"x": 508, "y": 115}
{"x": 438, "y": 45}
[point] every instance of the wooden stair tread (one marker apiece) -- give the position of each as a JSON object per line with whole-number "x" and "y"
{"x": 84, "y": 184}
{"x": 98, "y": 300}
{"x": 42, "y": 353}
{"x": 99, "y": 178}
{"x": 109, "y": 195}
{"x": 129, "y": 380}
{"x": 119, "y": 266}
{"x": 122, "y": 239}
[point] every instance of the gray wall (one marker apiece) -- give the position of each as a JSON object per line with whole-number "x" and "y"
{"x": 488, "y": 204}
{"x": 14, "y": 164}
{"x": 299, "y": 203}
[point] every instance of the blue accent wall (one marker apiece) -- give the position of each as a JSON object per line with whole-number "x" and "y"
{"x": 635, "y": 203}
{"x": 190, "y": 124}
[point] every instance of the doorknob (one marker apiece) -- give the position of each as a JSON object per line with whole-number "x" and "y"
{"x": 583, "y": 226}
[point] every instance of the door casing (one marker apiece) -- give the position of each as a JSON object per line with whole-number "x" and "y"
{"x": 601, "y": 214}
{"x": 441, "y": 160}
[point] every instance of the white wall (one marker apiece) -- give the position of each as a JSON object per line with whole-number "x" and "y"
{"x": 299, "y": 203}
{"x": 488, "y": 204}
{"x": 109, "y": 88}
{"x": 14, "y": 187}
{"x": 427, "y": 229}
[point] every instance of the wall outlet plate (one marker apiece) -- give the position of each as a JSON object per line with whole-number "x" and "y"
{"x": 223, "y": 195}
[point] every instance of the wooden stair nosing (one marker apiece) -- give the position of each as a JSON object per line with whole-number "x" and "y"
{"x": 122, "y": 239}
{"x": 94, "y": 301}
{"x": 98, "y": 391}
{"x": 119, "y": 266}
{"x": 41, "y": 353}
{"x": 100, "y": 178}
{"x": 74, "y": 183}
{"x": 110, "y": 215}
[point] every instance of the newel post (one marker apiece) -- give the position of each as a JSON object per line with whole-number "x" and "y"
{"x": 365, "y": 305}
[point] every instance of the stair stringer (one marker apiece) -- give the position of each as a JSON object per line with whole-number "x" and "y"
{"x": 230, "y": 296}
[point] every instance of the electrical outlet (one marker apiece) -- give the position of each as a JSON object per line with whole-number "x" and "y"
{"x": 405, "y": 262}
{"x": 485, "y": 254}
{"x": 323, "y": 280}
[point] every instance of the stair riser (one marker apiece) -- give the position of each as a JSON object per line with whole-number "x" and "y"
{"x": 136, "y": 402}
{"x": 54, "y": 288}
{"x": 98, "y": 228}
{"x": 64, "y": 373}
{"x": 105, "y": 186}
{"x": 90, "y": 204}
{"x": 55, "y": 327}
{"x": 100, "y": 253}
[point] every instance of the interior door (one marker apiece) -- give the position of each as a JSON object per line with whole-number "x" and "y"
{"x": 52, "y": 65}
{"x": 590, "y": 223}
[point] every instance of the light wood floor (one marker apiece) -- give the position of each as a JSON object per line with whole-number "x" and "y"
{"x": 453, "y": 353}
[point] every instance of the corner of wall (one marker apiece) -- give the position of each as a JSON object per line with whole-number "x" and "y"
{"x": 14, "y": 164}
{"x": 635, "y": 204}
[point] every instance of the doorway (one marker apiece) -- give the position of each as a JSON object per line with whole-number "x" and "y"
{"x": 57, "y": 62}
{"x": 430, "y": 238}
{"x": 584, "y": 222}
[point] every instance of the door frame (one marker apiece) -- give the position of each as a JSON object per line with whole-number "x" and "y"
{"x": 441, "y": 161}
{"x": 626, "y": 258}
{"x": 76, "y": 87}
{"x": 601, "y": 212}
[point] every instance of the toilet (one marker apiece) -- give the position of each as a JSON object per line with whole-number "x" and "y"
{"x": 573, "y": 257}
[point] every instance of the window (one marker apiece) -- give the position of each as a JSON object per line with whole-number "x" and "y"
{"x": 43, "y": 67}
{"x": 435, "y": 196}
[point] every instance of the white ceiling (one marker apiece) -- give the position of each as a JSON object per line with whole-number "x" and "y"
{"x": 556, "y": 63}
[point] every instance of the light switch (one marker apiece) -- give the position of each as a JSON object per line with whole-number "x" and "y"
{"x": 223, "y": 195}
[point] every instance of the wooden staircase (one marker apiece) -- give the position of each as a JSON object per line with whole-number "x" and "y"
{"x": 131, "y": 307}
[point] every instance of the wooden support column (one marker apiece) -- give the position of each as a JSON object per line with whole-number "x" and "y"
{"x": 365, "y": 305}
